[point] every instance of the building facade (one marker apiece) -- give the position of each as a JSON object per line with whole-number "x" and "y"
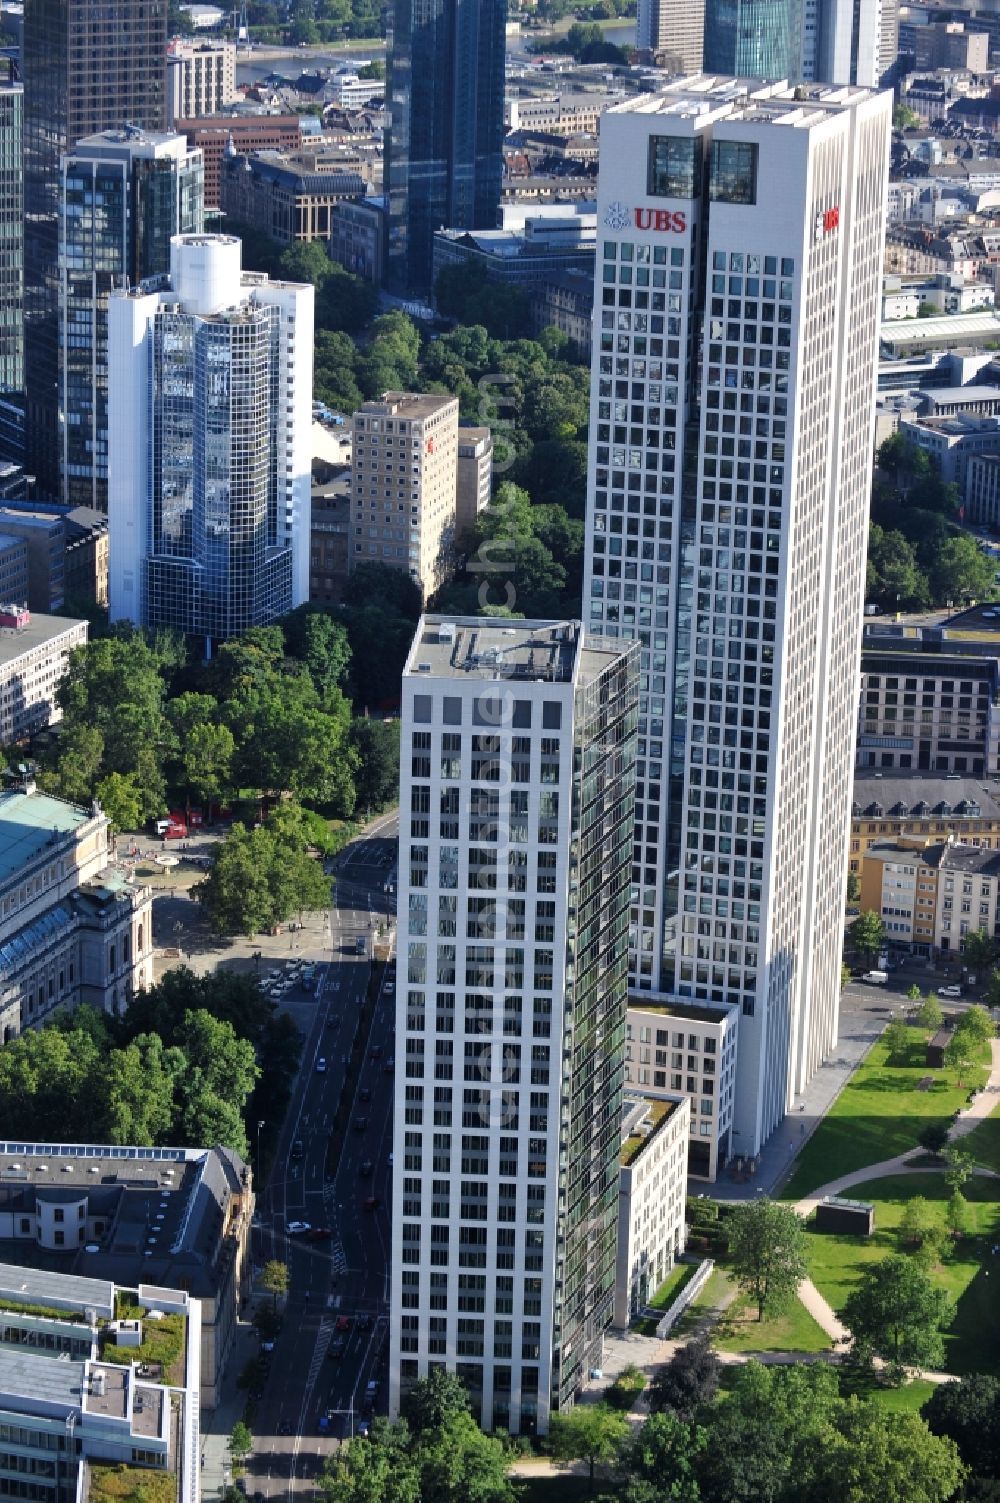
{"x": 201, "y": 78}
{"x": 34, "y": 653}
{"x": 930, "y": 809}
{"x": 933, "y": 710}
{"x": 652, "y": 1195}
{"x": 673, "y": 28}
{"x": 125, "y": 194}
{"x": 11, "y": 237}
{"x": 215, "y": 135}
{"x": 752, "y": 38}
{"x": 87, "y": 65}
{"x": 404, "y": 484}
{"x": 443, "y": 146}
{"x": 357, "y": 236}
{"x": 516, "y": 791}
{"x": 283, "y": 197}
{"x": 13, "y": 570}
{"x": 474, "y": 477}
{"x": 729, "y": 471}
{"x": 45, "y": 535}
{"x": 211, "y": 375}
{"x": 74, "y": 928}
{"x": 930, "y": 895}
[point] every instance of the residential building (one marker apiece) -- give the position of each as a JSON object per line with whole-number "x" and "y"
{"x": 904, "y": 298}
{"x": 564, "y": 113}
{"x": 209, "y": 535}
{"x": 931, "y": 808}
{"x": 201, "y": 78}
{"x": 443, "y": 146}
{"x": 670, "y": 26}
{"x": 752, "y": 38}
{"x": 329, "y": 540}
{"x": 125, "y": 194}
{"x": 74, "y": 928}
{"x": 473, "y": 477}
{"x": 729, "y": 471}
{"x": 516, "y": 796}
{"x": 86, "y": 565}
{"x": 932, "y": 895}
{"x": 404, "y": 484}
{"x": 349, "y": 92}
{"x": 45, "y": 535}
{"x": 34, "y": 652}
{"x": 652, "y": 1194}
{"x": 282, "y": 196}
{"x": 950, "y": 44}
{"x": 11, "y": 236}
{"x": 13, "y": 570}
{"x": 357, "y": 236}
{"x": 87, "y": 65}
{"x": 968, "y": 885}
{"x": 674, "y": 1047}
{"x": 565, "y": 300}
{"x": 179, "y": 1217}
{"x": 76, "y": 1403}
{"x": 212, "y": 135}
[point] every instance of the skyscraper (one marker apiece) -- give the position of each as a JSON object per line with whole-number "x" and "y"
{"x": 752, "y": 38}
{"x": 849, "y": 41}
{"x": 125, "y": 194}
{"x": 517, "y": 806}
{"x": 443, "y": 145}
{"x": 87, "y": 65}
{"x": 209, "y": 458}
{"x": 675, "y": 27}
{"x": 11, "y": 239}
{"x": 730, "y": 462}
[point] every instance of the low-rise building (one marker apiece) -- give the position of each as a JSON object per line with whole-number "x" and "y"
{"x": 926, "y": 809}
{"x": 522, "y": 257}
{"x": 906, "y": 297}
{"x": 175, "y": 1217}
{"x": 283, "y": 196}
{"x": 652, "y": 1195}
{"x": 357, "y": 236}
{"x": 86, "y": 568}
{"x": 474, "y": 476}
{"x": 932, "y": 894}
{"x": 953, "y": 441}
{"x": 329, "y": 539}
{"x": 13, "y": 570}
{"x": 73, "y": 927}
{"x": 930, "y": 703}
{"x": 75, "y": 1399}
{"x": 45, "y": 535}
{"x": 565, "y": 300}
{"x": 347, "y": 91}
{"x": 201, "y": 77}
{"x": 34, "y": 652}
{"x": 677, "y": 1047}
{"x": 212, "y": 134}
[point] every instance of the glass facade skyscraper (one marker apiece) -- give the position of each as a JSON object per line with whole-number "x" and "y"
{"x": 752, "y": 38}
{"x": 125, "y": 194}
{"x": 11, "y": 239}
{"x": 443, "y": 146}
{"x": 87, "y": 66}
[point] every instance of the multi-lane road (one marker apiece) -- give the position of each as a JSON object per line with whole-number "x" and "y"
{"x": 333, "y": 1342}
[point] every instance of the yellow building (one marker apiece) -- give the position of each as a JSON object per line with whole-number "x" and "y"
{"x": 935, "y": 808}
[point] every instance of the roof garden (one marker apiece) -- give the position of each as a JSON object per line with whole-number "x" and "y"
{"x": 657, "y": 1113}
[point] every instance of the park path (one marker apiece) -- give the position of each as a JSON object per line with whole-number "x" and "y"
{"x": 965, "y": 1122}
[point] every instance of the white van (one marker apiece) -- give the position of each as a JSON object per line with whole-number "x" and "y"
{"x": 875, "y": 978}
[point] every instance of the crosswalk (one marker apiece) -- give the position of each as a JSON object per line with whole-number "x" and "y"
{"x": 323, "y": 1338}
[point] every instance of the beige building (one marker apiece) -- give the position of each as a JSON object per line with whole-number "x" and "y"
{"x": 403, "y": 491}
{"x": 931, "y": 895}
{"x": 73, "y": 928}
{"x": 34, "y": 651}
{"x": 474, "y": 482}
{"x": 674, "y": 1047}
{"x": 201, "y": 78}
{"x": 930, "y": 810}
{"x": 651, "y": 1198}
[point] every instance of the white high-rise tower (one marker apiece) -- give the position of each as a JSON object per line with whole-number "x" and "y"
{"x": 740, "y": 235}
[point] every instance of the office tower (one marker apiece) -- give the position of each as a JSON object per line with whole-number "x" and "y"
{"x": 740, "y": 248}
{"x": 125, "y": 194}
{"x": 404, "y": 486}
{"x": 517, "y": 806}
{"x": 210, "y": 416}
{"x": 848, "y": 41}
{"x": 87, "y": 66}
{"x": 11, "y": 238}
{"x": 201, "y": 78}
{"x": 443, "y": 146}
{"x": 673, "y": 27}
{"x": 752, "y": 38}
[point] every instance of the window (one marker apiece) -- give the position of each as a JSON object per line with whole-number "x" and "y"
{"x": 674, "y": 167}
{"x": 733, "y": 176}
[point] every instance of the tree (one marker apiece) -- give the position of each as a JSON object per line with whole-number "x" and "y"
{"x": 961, "y": 1164}
{"x": 868, "y": 933}
{"x": 80, "y": 752}
{"x": 896, "y": 1039}
{"x": 853, "y": 887}
{"x": 968, "y": 1412}
{"x": 930, "y": 1015}
{"x": 959, "y": 1216}
{"x": 376, "y": 743}
{"x": 845, "y": 975}
{"x": 959, "y": 1054}
{"x": 240, "y": 1441}
{"x": 433, "y": 1402}
{"x": 378, "y": 584}
{"x": 979, "y": 951}
{"x": 976, "y": 1025}
{"x": 934, "y": 1135}
{"x": 459, "y": 1464}
{"x": 207, "y": 761}
{"x": 626, "y": 1388}
{"x": 260, "y": 877}
{"x": 121, "y": 801}
{"x": 658, "y": 1463}
{"x": 896, "y": 1313}
{"x": 766, "y": 1244}
{"x": 589, "y": 1432}
{"x": 917, "y": 1221}
{"x": 894, "y": 579}
{"x": 903, "y": 118}
{"x": 869, "y": 1454}
{"x": 961, "y": 571}
{"x": 765, "y": 1438}
{"x": 274, "y": 1279}
{"x": 689, "y": 1380}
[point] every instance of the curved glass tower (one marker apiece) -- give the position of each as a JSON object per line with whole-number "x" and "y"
{"x": 752, "y": 38}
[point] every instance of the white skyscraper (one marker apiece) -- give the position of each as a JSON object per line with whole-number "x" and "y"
{"x": 740, "y": 240}
{"x": 209, "y": 448}
{"x": 516, "y": 817}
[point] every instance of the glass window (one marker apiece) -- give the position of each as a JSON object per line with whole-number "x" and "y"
{"x": 674, "y": 166}
{"x": 733, "y": 177}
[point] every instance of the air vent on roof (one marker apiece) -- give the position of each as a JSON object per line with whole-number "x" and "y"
{"x": 42, "y": 1168}
{"x": 67, "y": 1168}
{"x": 423, "y": 667}
{"x": 93, "y": 1169}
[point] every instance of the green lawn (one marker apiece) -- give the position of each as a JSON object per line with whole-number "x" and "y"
{"x": 908, "y": 1399}
{"x": 707, "y": 1302}
{"x": 879, "y": 1113}
{"x": 984, "y": 1141}
{"x": 794, "y": 1330}
{"x": 972, "y": 1344}
{"x": 680, "y": 1275}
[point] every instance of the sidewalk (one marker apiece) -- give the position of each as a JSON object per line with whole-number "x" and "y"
{"x": 217, "y": 1426}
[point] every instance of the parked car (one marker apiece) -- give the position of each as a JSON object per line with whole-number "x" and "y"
{"x": 298, "y": 1148}
{"x": 364, "y": 1094}
{"x": 297, "y": 1228}
{"x": 949, "y": 991}
{"x": 337, "y": 1347}
{"x": 361, "y": 1124}
{"x": 319, "y": 1234}
{"x": 321, "y": 1066}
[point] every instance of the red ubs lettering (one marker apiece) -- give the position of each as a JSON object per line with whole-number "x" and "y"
{"x": 831, "y": 220}
{"x": 660, "y": 220}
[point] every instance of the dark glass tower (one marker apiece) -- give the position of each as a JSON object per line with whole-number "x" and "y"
{"x": 87, "y": 65}
{"x": 752, "y": 38}
{"x": 11, "y": 239}
{"x": 446, "y": 84}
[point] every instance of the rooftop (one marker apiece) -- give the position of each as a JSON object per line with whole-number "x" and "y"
{"x": 676, "y": 1007}
{"x": 916, "y": 795}
{"x": 744, "y": 99}
{"x": 953, "y": 328}
{"x": 15, "y": 641}
{"x": 657, "y": 1111}
{"x": 407, "y": 404}
{"x": 43, "y": 1380}
{"x": 60, "y": 1291}
{"x": 454, "y": 647}
{"x": 30, "y": 821}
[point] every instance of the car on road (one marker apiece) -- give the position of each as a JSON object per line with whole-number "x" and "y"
{"x": 297, "y": 1228}
{"x": 343, "y": 1323}
{"x": 372, "y": 1203}
{"x": 372, "y": 1388}
{"x": 321, "y": 1066}
{"x": 298, "y": 1148}
{"x": 949, "y": 991}
{"x": 361, "y": 1124}
{"x": 319, "y": 1234}
{"x": 364, "y": 1094}
{"x": 337, "y": 1348}
{"x": 267, "y": 1346}
{"x": 389, "y": 1066}
{"x": 364, "y": 1428}
{"x": 363, "y": 1321}
{"x": 367, "y": 1166}
{"x": 284, "y": 1427}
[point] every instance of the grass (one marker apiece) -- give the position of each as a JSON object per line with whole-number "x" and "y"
{"x": 794, "y": 1330}
{"x": 984, "y": 1141}
{"x": 162, "y": 1342}
{"x": 708, "y": 1301}
{"x": 880, "y": 1113}
{"x": 131, "y": 1484}
{"x": 677, "y": 1279}
{"x": 910, "y": 1398}
{"x": 972, "y": 1342}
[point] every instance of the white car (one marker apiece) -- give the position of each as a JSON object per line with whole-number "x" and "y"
{"x": 321, "y": 1066}
{"x": 297, "y": 1228}
{"x": 949, "y": 991}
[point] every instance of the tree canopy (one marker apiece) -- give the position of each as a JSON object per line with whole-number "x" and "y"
{"x": 767, "y": 1247}
{"x": 895, "y": 1312}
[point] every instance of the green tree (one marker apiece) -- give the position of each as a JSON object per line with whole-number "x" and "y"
{"x": 459, "y": 1464}
{"x": 961, "y": 571}
{"x": 934, "y": 1135}
{"x": 868, "y": 1454}
{"x": 240, "y": 1441}
{"x": 961, "y": 1164}
{"x": 766, "y": 1438}
{"x": 977, "y": 1025}
{"x": 979, "y": 951}
{"x": 853, "y": 887}
{"x": 689, "y": 1380}
{"x": 959, "y": 1054}
{"x": 433, "y": 1402}
{"x": 895, "y": 1312}
{"x": 274, "y": 1280}
{"x": 895, "y": 580}
{"x": 968, "y": 1412}
{"x": 380, "y": 585}
{"x": 658, "y": 1464}
{"x": 207, "y": 761}
{"x": 121, "y": 801}
{"x": 918, "y": 1220}
{"x": 896, "y": 1039}
{"x": 138, "y": 1087}
{"x": 766, "y": 1246}
{"x": 381, "y": 1469}
{"x": 227, "y": 1063}
{"x": 930, "y": 1015}
{"x": 77, "y": 770}
{"x": 260, "y": 877}
{"x": 845, "y": 975}
{"x": 376, "y": 744}
{"x": 588, "y": 1432}
{"x": 903, "y": 118}
{"x": 626, "y": 1389}
{"x": 959, "y": 1216}
{"x": 868, "y": 933}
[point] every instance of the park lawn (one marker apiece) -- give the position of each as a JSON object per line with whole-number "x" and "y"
{"x": 910, "y": 1398}
{"x": 880, "y": 1113}
{"x": 708, "y": 1301}
{"x": 984, "y": 1141}
{"x": 680, "y": 1275}
{"x": 794, "y": 1330}
{"x": 972, "y": 1342}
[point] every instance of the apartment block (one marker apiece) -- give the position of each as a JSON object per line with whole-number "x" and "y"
{"x": 516, "y": 797}
{"x": 931, "y": 895}
{"x": 474, "y": 476}
{"x": 739, "y": 268}
{"x": 34, "y": 653}
{"x": 929, "y": 808}
{"x": 201, "y": 78}
{"x": 651, "y": 1199}
{"x": 285, "y": 197}
{"x": 404, "y": 486}
{"x": 44, "y": 533}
